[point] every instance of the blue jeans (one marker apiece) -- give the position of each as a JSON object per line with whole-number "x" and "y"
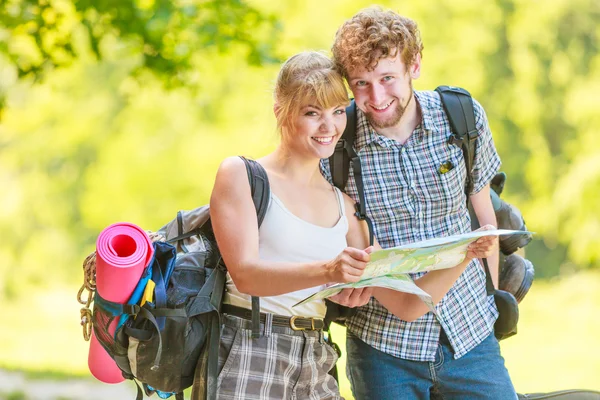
{"x": 480, "y": 374}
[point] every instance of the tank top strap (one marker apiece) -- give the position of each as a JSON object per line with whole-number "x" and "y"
{"x": 340, "y": 198}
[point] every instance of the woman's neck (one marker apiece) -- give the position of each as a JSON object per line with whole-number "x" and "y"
{"x": 303, "y": 171}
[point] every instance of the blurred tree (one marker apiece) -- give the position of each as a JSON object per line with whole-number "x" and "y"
{"x": 103, "y": 100}
{"x": 168, "y": 34}
{"x": 540, "y": 80}
{"x": 102, "y": 138}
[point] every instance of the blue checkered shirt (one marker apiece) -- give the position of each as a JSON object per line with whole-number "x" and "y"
{"x": 409, "y": 200}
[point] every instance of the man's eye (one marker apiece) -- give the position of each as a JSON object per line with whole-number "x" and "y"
{"x": 360, "y": 83}
{"x": 387, "y": 78}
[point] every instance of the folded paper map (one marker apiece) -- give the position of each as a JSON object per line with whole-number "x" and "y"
{"x": 389, "y": 268}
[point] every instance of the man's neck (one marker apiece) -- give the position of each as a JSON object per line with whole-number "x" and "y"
{"x": 402, "y": 131}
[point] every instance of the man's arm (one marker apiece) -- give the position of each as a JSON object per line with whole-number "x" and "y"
{"x": 482, "y": 205}
{"x": 485, "y": 166}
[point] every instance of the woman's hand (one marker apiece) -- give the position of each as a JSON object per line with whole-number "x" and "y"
{"x": 484, "y": 246}
{"x": 348, "y": 266}
{"x": 353, "y": 297}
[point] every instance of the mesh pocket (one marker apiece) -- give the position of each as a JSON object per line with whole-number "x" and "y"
{"x": 187, "y": 279}
{"x": 104, "y": 323}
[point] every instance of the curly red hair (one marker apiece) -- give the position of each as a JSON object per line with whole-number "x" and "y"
{"x": 374, "y": 34}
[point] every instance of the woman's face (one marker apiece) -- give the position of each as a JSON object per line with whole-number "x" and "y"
{"x": 316, "y": 130}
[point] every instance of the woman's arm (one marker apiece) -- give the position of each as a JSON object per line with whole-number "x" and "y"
{"x": 357, "y": 237}
{"x": 409, "y": 307}
{"x": 235, "y": 226}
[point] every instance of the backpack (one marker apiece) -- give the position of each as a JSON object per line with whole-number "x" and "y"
{"x": 160, "y": 342}
{"x": 458, "y": 106}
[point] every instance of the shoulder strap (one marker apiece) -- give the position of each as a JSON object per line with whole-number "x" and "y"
{"x": 339, "y": 166}
{"x": 458, "y": 105}
{"x": 261, "y": 191}
{"x": 339, "y": 162}
{"x": 259, "y": 187}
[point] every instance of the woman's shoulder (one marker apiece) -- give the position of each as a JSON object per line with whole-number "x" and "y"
{"x": 231, "y": 176}
{"x": 232, "y": 164}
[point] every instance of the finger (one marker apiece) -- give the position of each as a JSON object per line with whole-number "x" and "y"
{"x": 344, "y": 295}
{"x": 356, "y": 267}
{"x": 365, "y": 296}
{"x": 337, "y": 299}
{"x": 485, "y": 239}
{"x": 357, "y": 254}
{"x": 369, "y": 249}
{"x": 355, "y": 296}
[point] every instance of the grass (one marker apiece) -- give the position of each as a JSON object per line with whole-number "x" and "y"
{"x": 557, "y": 346}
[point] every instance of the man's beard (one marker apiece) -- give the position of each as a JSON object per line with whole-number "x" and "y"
{"x": 395, "y": 117}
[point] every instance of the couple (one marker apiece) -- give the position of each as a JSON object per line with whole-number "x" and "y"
{"x": 310, "y": 236}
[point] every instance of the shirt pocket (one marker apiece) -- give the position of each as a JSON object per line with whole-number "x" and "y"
{"x": 447, "y": 187}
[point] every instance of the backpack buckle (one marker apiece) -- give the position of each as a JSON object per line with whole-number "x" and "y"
{"x": 454, "y": 140}
{"x": 358, "y": 214}
{"x": 473, "y": 135}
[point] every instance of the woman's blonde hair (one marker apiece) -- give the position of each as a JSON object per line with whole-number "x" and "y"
{"x": 307, "y": 76}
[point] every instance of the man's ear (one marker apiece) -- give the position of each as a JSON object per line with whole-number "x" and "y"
{"x": 415, "y": 68}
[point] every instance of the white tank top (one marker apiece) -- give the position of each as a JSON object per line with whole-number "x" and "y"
{"x": 285, "y": 237}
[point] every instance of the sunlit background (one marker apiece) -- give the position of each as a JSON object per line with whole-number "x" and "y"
{"x": 122, "y": 110}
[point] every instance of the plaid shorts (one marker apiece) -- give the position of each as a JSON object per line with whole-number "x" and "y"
{"x": 281, "y": 364}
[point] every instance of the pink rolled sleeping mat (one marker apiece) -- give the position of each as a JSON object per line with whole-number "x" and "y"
{"x": 123, "y": 250}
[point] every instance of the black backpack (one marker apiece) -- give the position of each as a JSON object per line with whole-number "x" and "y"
{"x": 162, "y": 343}
{"x": 458, "y": 106}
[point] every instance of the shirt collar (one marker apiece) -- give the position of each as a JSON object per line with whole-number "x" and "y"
{"x": 365, "y": 134}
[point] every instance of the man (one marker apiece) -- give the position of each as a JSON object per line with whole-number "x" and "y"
{"x": 414, "y": 184}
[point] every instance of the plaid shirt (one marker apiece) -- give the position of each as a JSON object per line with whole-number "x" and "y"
{"x": 409, "y": 200}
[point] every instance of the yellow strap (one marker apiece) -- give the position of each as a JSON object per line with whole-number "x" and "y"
{"x": 148, "y": 292}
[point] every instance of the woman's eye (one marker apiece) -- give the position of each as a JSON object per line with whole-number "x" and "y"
{"x": 340, "y": 111}
{"x": 310, "y": 113}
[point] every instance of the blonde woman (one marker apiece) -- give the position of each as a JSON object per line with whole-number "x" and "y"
{"x": 309, "y": 238}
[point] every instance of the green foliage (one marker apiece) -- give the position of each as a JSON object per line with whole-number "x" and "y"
{"x": 109, "y": 135}
{"x": 170, "y": 36}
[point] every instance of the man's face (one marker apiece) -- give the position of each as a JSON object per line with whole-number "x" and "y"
{"x": 384, "y": 93}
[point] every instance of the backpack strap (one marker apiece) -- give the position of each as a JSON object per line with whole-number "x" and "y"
{"x": 458, "y": 105}
{"x": 339, "y": 166}
{"x": 261, "y": 192}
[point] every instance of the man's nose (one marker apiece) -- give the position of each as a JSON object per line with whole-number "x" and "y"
{"x": 377, "y": 94}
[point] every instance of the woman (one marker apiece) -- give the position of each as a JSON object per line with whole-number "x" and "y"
{"x": 309, "y": 238}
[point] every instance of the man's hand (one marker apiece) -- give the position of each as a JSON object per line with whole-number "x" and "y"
{"x": 353, "y": 297}
{"x": 484, "y": 246}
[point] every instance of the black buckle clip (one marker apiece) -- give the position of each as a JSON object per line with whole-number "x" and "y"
{"x": 358, "y": 214}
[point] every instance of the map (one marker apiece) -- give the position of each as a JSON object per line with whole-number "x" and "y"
{"x": 389, "y": 268}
